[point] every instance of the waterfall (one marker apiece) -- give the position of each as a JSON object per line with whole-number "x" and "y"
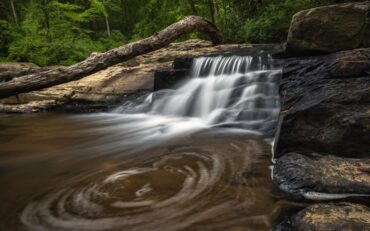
{"x": 225, "y": 90}
{"x": 230, "y": 91}
{"x": 224, "y": 94}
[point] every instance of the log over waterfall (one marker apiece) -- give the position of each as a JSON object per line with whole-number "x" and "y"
{"x": 101, "y": 61}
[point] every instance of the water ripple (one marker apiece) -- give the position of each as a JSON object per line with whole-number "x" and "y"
{"x": 189, "y": 186}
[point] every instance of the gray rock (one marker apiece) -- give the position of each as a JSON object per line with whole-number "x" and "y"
{"x": 325, "y": 104}
{"x": 330, "y": 28}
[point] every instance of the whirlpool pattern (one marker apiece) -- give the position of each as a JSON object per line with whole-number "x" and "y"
{"x": 197, "y": 186}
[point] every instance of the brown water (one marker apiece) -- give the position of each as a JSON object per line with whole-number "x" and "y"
{"x": 58, "y": 173}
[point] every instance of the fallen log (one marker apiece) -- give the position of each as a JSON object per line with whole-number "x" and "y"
{"x": 117, "y": 55}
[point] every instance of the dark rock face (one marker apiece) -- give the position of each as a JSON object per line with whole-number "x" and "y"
{"x": 330, "y": 29}
{"x": 168, "y": 79}
{"x": 326, "y": 104}
{"x": 306, "y": 177}
{"x": 333, "y": 217}
{"x": 325, "y": 108}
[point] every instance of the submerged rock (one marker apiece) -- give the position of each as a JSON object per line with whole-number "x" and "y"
{"x": 330, "y": 28}
{"x": 325, "y": 104}
{"x": 322, "y": 177}
{"x": 333, "y": 217}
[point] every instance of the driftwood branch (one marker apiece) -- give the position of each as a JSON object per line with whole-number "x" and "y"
{"x": 117, "y": 55}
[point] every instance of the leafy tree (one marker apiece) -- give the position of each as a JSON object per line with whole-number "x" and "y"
{"x": 49, "y": 32}
{"x": 5, "y": 37}
{"x": 99, "y": 6}
{"x": 14, "y": 12}
{"x": 272, "y": 21}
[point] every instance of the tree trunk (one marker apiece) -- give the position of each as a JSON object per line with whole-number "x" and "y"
{"x": 14, "y": 12}
{"x": 117, "y": 55}
{"x": 107, "y": 25}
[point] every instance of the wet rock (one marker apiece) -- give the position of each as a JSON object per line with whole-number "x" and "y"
{"x": 169, "y": 79}
{"x": 322, "y": 177}
{"x": 325, "y": 104}
{"x": 333, "y": 217}
{"x": 330, "y": 28}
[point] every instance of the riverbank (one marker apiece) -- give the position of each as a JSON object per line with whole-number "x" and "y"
{"x": 321, "y": 155}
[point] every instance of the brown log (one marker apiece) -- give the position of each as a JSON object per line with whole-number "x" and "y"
{"x": 117, "y": 55}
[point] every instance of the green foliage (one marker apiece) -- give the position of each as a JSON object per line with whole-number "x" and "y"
{"x": 30, "y": 44}
{"x": 99, "y": 6}
{"x": 159, "y": 13}
{"x": 273, "y": 21}
{"x": 66, "y": 31}
{"x": 5, "y": 37}
{"x": 115, "y": 40}
{"x": 65, "y": 42}
{"x": 69, "y": 11}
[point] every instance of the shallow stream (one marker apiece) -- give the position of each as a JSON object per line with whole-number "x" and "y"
{"x": 194, "y": 158}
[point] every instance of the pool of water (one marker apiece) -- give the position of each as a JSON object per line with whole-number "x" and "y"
{"x": 60, "y": 172}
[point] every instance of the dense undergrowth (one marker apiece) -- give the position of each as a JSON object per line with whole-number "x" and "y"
{"x": 50, "y": 32}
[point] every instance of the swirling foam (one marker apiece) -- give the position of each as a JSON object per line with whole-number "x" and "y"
{"x": 175, "y": 192}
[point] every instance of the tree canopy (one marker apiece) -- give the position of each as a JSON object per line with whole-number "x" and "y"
{"x": 50, "y": 32}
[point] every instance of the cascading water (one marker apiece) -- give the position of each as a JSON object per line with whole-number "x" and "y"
{"x": 225, "y": 90}
{"x": 229, "y": 92}
{"x": 197, "y": 182}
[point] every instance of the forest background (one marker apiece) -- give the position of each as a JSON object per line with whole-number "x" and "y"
{"x": 63, "y": 32}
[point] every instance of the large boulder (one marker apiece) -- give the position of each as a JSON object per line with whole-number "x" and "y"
{"x": 322, "y": 148}
{"x": 325, "y": 104}
{"x": 330, "y": 28}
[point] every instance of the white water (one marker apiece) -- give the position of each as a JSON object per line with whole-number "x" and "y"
{"x": 228, "y": 94}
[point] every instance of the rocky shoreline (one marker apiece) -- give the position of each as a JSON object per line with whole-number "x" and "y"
{"x": 323, "y": 145}
{"x": 322, "y": 149}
